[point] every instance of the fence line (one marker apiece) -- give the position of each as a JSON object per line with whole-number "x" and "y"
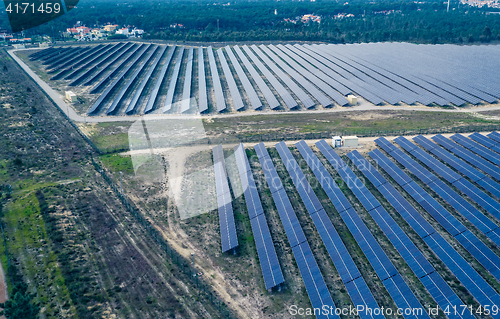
{"x": 184, "y": 264}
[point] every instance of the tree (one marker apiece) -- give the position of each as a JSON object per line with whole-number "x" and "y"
{"x": 21, "y": 305}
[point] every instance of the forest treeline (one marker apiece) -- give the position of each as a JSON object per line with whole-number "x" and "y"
{"x": 412, "y": 21}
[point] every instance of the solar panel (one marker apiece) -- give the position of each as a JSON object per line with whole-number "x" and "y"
{"x": 494, "y": 136}
{"x": 138, "y": 92}
{"x": 229, "y": 239}
{"x": 489, "y": 143}
{"x": 97, "y": 104}
{"x": 445, "y": 218}
{"x": 456, "y": 201}
{"x": 477, "y": 148}
{"x": 233, "y": 88}
{"x": 169, "y": 100}
{"x": 161, "y": 76}
{"x": 476, "y": 285}
{"x": 306, "y": 100}
{"x": 202, "y": 84}
{"x": 280, "y": 89}
{"x": 78, "y": 55}
{"x": 219, "y": 95}
{"x": 252, "y": 95}
{"x": 303, "y": 78}
{"x": 126, "y": 55}
{"x": 315, "y": 285}
{"x": 263, "y": 241}
{"x": 186, "y": 92}
{"x": 132, "y": 79}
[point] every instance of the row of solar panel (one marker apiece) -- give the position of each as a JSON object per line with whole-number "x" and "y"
{"x": 478, "y": 287}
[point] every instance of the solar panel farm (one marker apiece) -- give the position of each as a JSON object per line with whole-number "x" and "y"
{"x": 210, "y": 146}
{"x": 142, "y": 78}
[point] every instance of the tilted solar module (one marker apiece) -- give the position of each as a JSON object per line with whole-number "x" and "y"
{"x": 309, "y": 270}
{"x": 161, "y": 76}
{"x": 287, "y": 77}
{"x": 477, "y": 148}
{"x": 456, "y": 180}
{"x": 115, "y": 70}
{"x": 339, "y": 74}
{"x": 494, "y": 136}
{"x": 219, "y": 95}
{"x": 61, "y": 56}
{"x": 306, "y": 100}
{"x": 468, "y": 156}
{"x": 135, "y": 99}
{"x": 267, "y": 254}
{"x": 169, "y": 100}
{"x": 489, "y": 143}
{"x": 280, "y": 89}
{"x": 202, "y": 84}
{"x": 402, "y": 295}
{"x": 82, "y": 53}
{"x": 186, "y": 92}
{"x": 126, "y": 87}
{"x": 121, "y": 76}
{"x": 479, "y": 250}
{"x": 128, "y": 54}
{"x": 118, "y": 49}
{"x": 40, "y": 54}
{"x": 252, "y": 95}
{"x": 233, "y": 88}
{"x": 229, "y": 239}
{"x": 472, "y": 281}
{"x": 89, "y": 54}
{"x": 460, "y": 165}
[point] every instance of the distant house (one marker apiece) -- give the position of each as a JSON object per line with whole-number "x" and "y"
{"x": 97, "y": 33}
{"x": 123, "y": 31}
{"x": 110, "y": 27}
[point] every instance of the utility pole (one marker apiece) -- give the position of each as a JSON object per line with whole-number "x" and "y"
{"x": 194, "y": 270}
{"x": 448, "y": 8}
{"x": 121, "y": 187}
{"x": 217, "y": 25}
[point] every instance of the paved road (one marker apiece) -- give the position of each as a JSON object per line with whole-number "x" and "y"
{"x": 363, "y": 106}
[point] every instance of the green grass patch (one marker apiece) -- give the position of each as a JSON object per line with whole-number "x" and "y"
{"x": 28, "y": 242}
{"x": 117, "y": 163}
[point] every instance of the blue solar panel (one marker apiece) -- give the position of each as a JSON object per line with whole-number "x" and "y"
{"x": 361, "y": 295}
{"x": 478, "y": 196}
{"x": 229, "y": 239}
{"x": 474, "y": 283}
{"x": 494, "y": 136}
{"x": 468, "y": 156}
{"x": 477, "y": 148}
{"x": 481, "y": 252}
{"x": 268, "y": 259}
{"x": 443, "y": 250}
{"x": 315, "y": 285}
{"x": 489, "y": 143}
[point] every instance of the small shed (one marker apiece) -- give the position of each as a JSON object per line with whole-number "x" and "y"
{"x": 350, "y": 141}
{"x": 353, "y": 100}
{"x": 19, "y": 46}
{"x": 70, "y": 96}
{"x": 336, "y": 141}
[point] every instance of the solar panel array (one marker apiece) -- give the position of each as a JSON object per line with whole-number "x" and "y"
{"x": 471, "y": 280}
{"x": 156, "y": 89}
{"x": 349, "y": 273}
{"x": 252, "y": 95}
{"x": 316, "y": 75}
{"x": 477, "y": 148}
{"x": 233, "y": 88}
{"x": 479, "y": 250}
{"x": 384, "y": 268}
{"x": 427, "y": 274}
{"x": 219, "y": 95}
{"x": 167, "y": 104}
{"x": 311, "y": 274}
{"x": 229, "y": 239}
{"x": 202, "y": 85}
{"x": 186, "y": 92}
{"x": 269, "y": 263}
{"x": 461, "y": 166}
{"x": 135, "y": 99}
